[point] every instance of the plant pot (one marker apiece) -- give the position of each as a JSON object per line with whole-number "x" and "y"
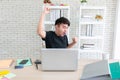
{"x": 84, "y": 3}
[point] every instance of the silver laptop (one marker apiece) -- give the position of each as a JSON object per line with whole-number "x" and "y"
{"x": 59, "y": 59}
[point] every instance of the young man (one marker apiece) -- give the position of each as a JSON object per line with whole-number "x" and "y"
{"x": 57, "y": 38}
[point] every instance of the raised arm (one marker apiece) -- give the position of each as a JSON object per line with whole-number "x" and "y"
{"x": 40, "y": 29}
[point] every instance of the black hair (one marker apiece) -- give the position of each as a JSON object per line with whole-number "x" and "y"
{"x": 62, "y": 20}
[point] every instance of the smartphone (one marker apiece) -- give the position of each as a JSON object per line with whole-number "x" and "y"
{"x": 23, "y": 62}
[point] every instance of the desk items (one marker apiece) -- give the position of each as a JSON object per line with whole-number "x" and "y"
{"x": 23, "y": 62}
{"x": 101, "y": 70}
{"x": 6, "y": 63}
{"x": 96, "y": 71}
{"x": 19, "y": 67}
{"x": 6, "y": 75}
{"x": 4, "y": 72}
{"x": 115, "y": 70}
{"x": 58, "y": 60}
{"x": 37, "y": 62}
{"x": 10, "y": 75}
{"x": 4, "y": 79}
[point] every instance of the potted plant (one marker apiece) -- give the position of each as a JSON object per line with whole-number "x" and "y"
{"x": 83, "y": 2}
{"x": 98, "y": 17}
{"x": 48, "y": 2}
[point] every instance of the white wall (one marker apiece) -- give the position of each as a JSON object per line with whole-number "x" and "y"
{"x": 116, "y": 51}
{"x": 19, "y": 20}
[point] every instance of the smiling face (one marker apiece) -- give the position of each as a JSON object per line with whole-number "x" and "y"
{"x": 61, "y": 29}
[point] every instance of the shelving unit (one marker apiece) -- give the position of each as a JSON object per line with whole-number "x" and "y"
{"x": 55, "y": 13}
{"x": 91, "y": 31}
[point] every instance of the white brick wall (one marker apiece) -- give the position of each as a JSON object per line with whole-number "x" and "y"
{"x": 19, "y": 21}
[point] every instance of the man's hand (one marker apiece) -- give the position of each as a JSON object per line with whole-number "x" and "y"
{"x": 46, "y": 10}
{"x": 74, "y": 40}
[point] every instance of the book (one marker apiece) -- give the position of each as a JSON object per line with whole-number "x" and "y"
{"x": 88, "y": 46}
{"x": 101, "y": 70}
{"x": 102, "y": 77}
{"x": 6, "y": 63}
{"x": 115, "y": 70}
{"x": 26, "y": 62}
{"x": 95, "y": 69}
{"x": 10, "y": 75}
{"x": 4, "y": 79}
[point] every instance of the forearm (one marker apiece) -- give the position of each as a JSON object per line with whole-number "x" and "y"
{"x": 71, "y": 45}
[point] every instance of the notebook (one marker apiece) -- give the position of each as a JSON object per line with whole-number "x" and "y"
{"x": 59, "y": 59}
{"x": 102, "y": 77}
{"x": 96, "y": 69}
{"x": 115, "y": 70}
{"x": 28, "y": 63}
{"x": 102, "y": 70}
{"x": 6, "y": 63}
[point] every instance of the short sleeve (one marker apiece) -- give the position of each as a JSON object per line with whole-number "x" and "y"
{"x": 48, "y": 33}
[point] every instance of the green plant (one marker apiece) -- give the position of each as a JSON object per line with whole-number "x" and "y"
{"x": 83, "y": 1}
{"x": 98, "y": 17}
{"x": 47, "y": 1}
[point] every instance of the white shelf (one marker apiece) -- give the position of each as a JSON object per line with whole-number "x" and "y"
{"x": 91, "y": 37}
{"x": 90, "y": 26}
{"x": 59, "y": 7}
{"x": 92, "y": 7}
{"x": 49, "y": 22}
{"x": 90, "y": 21}
{"x": 90, "y": 50}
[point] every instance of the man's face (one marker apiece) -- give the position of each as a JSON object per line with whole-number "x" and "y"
{"x": 61, "y": 29}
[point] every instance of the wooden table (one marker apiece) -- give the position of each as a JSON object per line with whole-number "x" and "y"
{"x": 31, "y": 73}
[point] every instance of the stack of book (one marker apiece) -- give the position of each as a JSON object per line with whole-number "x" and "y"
{"x": 89, "y": 30}
{"x": 55, "y": 14}
{"x": 88, "y": 46}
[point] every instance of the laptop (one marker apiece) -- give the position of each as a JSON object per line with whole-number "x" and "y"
{"x": 96, "y": 71}
{"x": 59, "y": 59}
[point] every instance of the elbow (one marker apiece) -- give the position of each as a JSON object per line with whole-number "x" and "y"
{"x": 41, "y": 34}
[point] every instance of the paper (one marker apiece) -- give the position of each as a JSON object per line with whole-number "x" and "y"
{"x": 29, "y": 63}
{"x": 4, "y": 72}
{"x": 4, "y": 79}
{"x": 10, "y": 75}
{"x": 6, "y": 63}
{"x": 1, "y": 77}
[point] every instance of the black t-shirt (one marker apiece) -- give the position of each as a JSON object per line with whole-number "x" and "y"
{"x": 54, "y": 41}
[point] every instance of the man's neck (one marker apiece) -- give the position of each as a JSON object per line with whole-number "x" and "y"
{"x": 57, "y": 33}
